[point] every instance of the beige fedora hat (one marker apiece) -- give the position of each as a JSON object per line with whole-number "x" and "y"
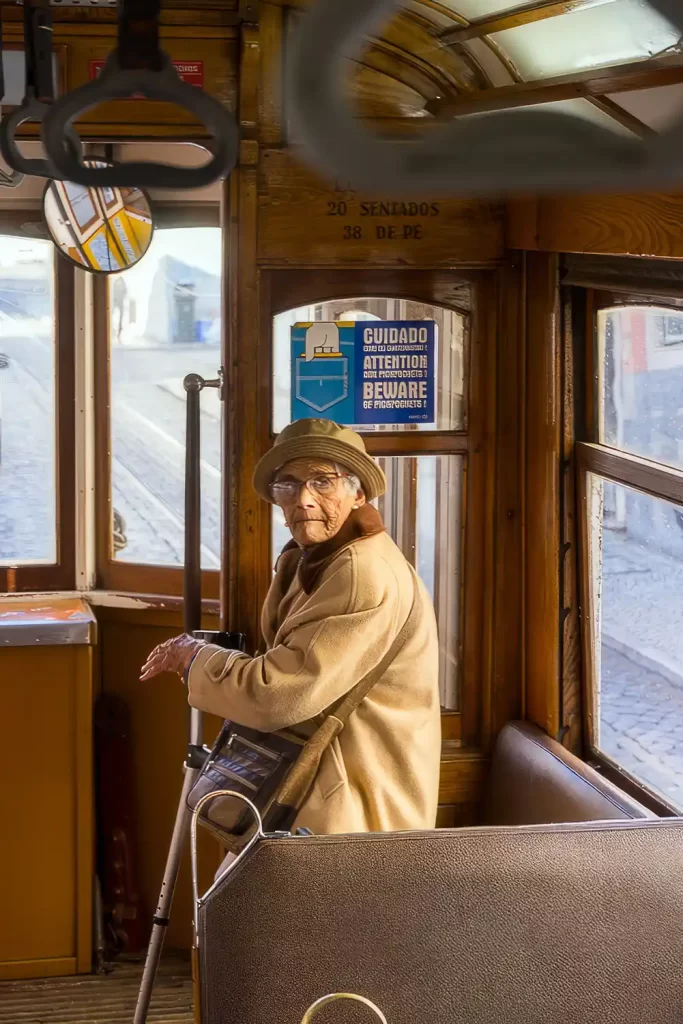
{"x": 320, "y": 439}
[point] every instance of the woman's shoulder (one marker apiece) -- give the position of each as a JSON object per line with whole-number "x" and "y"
{"x": 370, "y": 552}
{"x": 376, "y": 567}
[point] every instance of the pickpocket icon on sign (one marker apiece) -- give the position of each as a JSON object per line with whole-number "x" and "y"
{"x": 322, "y": 373}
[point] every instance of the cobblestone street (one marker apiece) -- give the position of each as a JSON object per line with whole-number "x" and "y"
{"x": 641, "y": 687}
{"x": 641, "y": 723}
{"x": 27, "y": 472}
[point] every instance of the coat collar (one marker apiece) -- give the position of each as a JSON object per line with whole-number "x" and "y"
{"x": 362, "y": 523}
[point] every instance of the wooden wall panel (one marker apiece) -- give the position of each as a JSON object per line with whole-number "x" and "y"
{"x": 571, "y": 683}
{"x": 543, "y": 445}
{"x": 503, "y": 700}
{"x": 219, "y": 57}
{"x": 645, "y": 225}
{"x": 249, "y": 570}
{"x": 303, "y": 222}
{"x": 46, "y": 810}
{"x": 159, "y": 723}
{"x": 463, "y": 775}
{"x": 214, "y": 46}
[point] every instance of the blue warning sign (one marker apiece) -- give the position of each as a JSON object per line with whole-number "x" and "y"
{"x": 364, "y": 373}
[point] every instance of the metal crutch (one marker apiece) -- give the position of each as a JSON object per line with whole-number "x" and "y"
{"x": 196, "y": 751}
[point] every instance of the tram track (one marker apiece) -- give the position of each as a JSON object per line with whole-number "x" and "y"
{"x": 156, "y": 475}
{"x": 27, "y": 489}
{"x": 154, "y": 428}
{"x": 166, "y": 509}
{"x": 142, "y": 467}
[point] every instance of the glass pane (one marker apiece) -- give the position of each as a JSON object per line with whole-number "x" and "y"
{"x": 636, "y": 547}
{"x": 422, "y": 510}
{"x": 641, "y": 381}
{"x": 474, "y": 9}
{"x": 165, "y": 322}
{"x": 450, "y": 333}
{"x": 607, "y": 33}
{"x": 28, "y": 490}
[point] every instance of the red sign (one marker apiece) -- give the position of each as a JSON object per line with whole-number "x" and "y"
{"x": 191, "y": 72}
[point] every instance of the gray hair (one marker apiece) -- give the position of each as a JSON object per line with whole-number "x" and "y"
{"x": 351, "y": 481}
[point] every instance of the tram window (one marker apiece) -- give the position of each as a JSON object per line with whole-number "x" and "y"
{"x": 164, "y": 322}
{"x": 451, "y": 331}
{"x": 641, "y": 382}
{"x": 637, "y": 579}
{"x": 28, "y": 427}
{"x": 632, "y": 503}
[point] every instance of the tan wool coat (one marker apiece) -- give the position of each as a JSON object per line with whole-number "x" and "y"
{"x": 325, "y": 624}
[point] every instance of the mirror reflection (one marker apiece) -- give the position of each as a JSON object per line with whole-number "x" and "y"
{"x": 102, "y": 230}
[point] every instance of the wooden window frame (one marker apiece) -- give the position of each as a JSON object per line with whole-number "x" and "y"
{"x": 112, "y": 574}
{"x": 474, "y": 293}
{"x": 61, "y": 575}
{"x": 646, "y": 476}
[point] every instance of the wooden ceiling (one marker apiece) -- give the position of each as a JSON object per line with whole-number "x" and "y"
{"x": 455, "y": 68}
{"x": 432, "y": 62}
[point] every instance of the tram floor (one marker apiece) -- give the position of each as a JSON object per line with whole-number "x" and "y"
{"x": 100, "y": 998}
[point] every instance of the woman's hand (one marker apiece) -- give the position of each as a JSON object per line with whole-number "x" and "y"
{"x": 172, "y": 656}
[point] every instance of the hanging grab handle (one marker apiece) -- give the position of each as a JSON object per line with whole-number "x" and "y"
{"x": 11, "y": 178}
{"x": 511, "y": 152}
{"x": 32, "y": 110}
{"x": 38, "y": 94}
{"x": 138, "y": 66}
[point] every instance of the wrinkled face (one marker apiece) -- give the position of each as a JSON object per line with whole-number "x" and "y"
{"x": 315, "y": 499}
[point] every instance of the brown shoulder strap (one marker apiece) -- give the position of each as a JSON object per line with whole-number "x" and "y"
{"x": 300, "y": 778}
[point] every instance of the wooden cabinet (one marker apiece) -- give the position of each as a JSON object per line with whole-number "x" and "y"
{"x": 46, "y": 788}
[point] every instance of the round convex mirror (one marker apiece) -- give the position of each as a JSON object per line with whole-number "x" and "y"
{"x": 102, "y": 230}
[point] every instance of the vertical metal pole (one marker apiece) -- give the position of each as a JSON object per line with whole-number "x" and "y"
{"x": 192, "y": 589}
{"x": 192, "y": 586}
{"x": 192, "y": 614}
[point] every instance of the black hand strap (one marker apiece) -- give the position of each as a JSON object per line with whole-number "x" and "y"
{"x": 8, "y": 179}
{"x": 38, "y": 51}
{"x": 138, "y": 46}
{"x": 138, "y": 66}
{"x": 38, "y": 93}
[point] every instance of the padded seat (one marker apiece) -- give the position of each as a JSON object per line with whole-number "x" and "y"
{"x": 533, "y": 780}
{"x": 540, "y": 924}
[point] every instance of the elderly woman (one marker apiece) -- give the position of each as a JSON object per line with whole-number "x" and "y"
{"x": 341, "y": 595}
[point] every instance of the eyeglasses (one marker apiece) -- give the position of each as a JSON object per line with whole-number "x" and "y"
{"x": 285, "y": 490}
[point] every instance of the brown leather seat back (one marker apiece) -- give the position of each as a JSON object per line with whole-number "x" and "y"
{"x": 568, "y": 924}
{"x": 534, "y": 780}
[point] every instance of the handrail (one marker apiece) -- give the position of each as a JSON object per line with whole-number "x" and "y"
{"x": 495, "y": 154}
{"x": 138, "y": 66}
{"x": 38, "y": 95}
{"x": 257, "y": 836}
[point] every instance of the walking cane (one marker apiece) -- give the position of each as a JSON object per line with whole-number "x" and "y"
{"x": 192, "y": 614}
